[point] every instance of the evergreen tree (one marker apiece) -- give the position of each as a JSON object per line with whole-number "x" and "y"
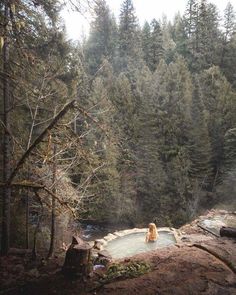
{"x": 199, "y": 145}
{"x": 156, "y": 48}
{"x": 126, "y": 115}
{"x": 171, "y": 131}
{"x": 146, "y": 43}
{"x": 219, "y": 103}
{"x": 171, "y": 96}
{"x": 179, "y": 36}
{"x": 173, "y": 99}
{"x": 208, "y": 50}
{"x": 228, "y": 54}
{"x": 169, "y": 45}
{"x": 110, "y": 204}
{"x": 230, "y": 150}
{"x": 191, "y": 18}
{"x": 191, "y": 28}
{"x": 155, "y": 137}
{"x": 150, "y": 174}
{"x": 129, "y": 41}
{"x": 229, "y": 22}
{"x": 226, "y": 190}
{"x": 102, "y": 39}
{"x": 202, "y": 29}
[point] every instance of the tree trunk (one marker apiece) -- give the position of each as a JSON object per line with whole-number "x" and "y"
{"x": 34, "y": 249}
{"x": 228, "y": 232}
{"x": 6, "y": 192}
{"x": 77, "y": 261}
{"x": 27, "y": 214}
{"x": 27, "y": 220}
{"x": 53, "y": 215}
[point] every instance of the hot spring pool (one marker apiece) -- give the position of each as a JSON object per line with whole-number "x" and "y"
{"x": 134, "y": 243}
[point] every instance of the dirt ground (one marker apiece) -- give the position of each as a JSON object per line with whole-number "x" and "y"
{"x": 185, "y": 270}
{"x": 199, "y": 264}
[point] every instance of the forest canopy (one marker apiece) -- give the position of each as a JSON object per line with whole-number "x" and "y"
{"x": 134, "y": 123}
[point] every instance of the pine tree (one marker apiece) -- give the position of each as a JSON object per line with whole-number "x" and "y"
{"x": 228, "y": 54}
{"x": 179, "y": 36}
{"x": 126, "y": 106}
{"x": 229, "y": 22}
{"x": 151, "y": 176}
{"x": 227, "y": 189}
{"x": 166, "y": 136}
{"x": 230, "y": 150}
{"x": 219, "y": 104}
{"x": 102, "y": 39}
{"x": 191, "y": 18}
{"x": 105, "y": 146}
{"x": 157, "y": 50}
{"x": 207, "y": 53}
{"x": 191, "y": 27}
{"x": 199, "y": 146}
{"x": 146, "y": 43}
{"x": 202, "y": 28}
{"x": 173, "y": 98}
{"x": 169, "y": 45}
{"x": 129, "y": 42}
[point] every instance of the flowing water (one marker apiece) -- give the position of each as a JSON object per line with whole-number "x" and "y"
{"x": 89, "y": 232}
{"x": 134, "y": 243}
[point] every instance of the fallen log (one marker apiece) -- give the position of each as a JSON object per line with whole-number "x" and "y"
{"x": 229, "y": 232}
{"x": 77, "y": 260}
{"x": 208, "y": 230}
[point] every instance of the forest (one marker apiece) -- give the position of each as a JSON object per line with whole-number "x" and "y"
{"x": 132, "y": 124}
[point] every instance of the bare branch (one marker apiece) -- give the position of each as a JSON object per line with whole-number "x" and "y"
{"x": 39, "y": 139}
{"x": 37, "y": 186}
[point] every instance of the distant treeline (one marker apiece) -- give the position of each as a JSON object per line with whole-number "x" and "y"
{"x": 166, "y": 96}
{"x": 132, "y": 124}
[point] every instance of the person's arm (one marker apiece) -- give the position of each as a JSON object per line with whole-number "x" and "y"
{"x": 147, "y": 237}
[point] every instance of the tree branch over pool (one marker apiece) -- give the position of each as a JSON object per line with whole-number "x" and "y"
{"x": 39, "y": 139}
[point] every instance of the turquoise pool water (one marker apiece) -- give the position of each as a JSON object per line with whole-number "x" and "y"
{"x": 134, "y": 243}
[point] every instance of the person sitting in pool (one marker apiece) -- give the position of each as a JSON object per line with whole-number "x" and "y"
{"x": 152, "y": 233}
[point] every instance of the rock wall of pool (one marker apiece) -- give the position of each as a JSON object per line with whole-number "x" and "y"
{"x": 127, "y": 243}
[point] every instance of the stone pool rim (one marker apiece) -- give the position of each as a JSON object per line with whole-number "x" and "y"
{"x": 122, "y": 233}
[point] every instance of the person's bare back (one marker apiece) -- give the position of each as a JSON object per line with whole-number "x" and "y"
{"x": 152, "y": 233}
